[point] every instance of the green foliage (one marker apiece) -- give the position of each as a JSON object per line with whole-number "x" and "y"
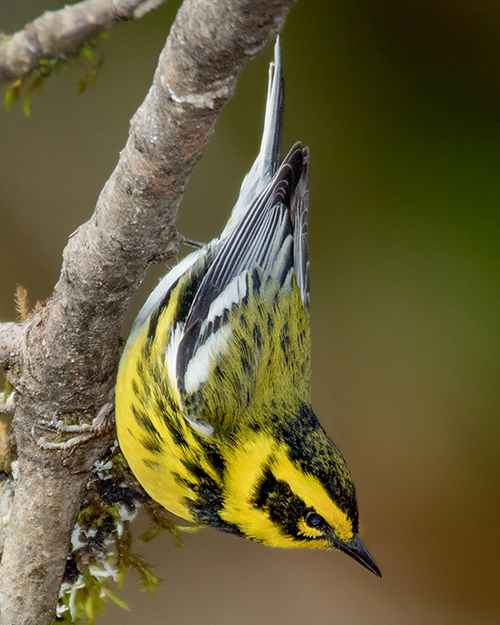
{"x": 86, "y": 599}
{"x": 127, "y": 559}
{"x": 88, "y": 58}
{"x": 102, "y": 547}
{"x": 8, "y": 389}
{"x": 158, "y": 523}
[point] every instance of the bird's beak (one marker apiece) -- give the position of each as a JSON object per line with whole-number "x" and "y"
{"x": 357, "y": 550}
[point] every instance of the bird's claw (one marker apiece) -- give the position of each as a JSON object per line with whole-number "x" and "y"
{"x": 101, "y": 424}
{"x": 190, "y": 243}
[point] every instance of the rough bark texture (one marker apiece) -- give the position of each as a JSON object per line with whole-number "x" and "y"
{"x": 11, "y": 335}
{"x": 65, "y": 357}
{"x": 59, "y": 34}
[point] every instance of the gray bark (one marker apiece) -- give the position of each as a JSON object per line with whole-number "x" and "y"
{"x": 60, "y": 34}
{"x": 65, "y": 356}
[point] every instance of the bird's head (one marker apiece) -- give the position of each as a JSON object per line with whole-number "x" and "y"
{"x": 294, "y": 490}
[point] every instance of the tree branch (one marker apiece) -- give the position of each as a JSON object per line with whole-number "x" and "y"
{"x": 60, "y": 34}
{"x": 72, "y": 346}
{"x": 11, "y": 335}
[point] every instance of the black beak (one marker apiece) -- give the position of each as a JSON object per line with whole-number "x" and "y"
{"x": 356, "y": 550}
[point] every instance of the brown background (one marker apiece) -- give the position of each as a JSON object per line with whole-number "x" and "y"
{"x": 399, "y": 102}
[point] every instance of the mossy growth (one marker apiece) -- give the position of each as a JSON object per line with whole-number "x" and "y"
{"x": 101, "y": 545}
{"x": 88, "y": 58}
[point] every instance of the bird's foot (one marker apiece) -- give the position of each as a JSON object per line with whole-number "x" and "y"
{"x": 81, "y": 433}
{"x": 190, "y": 243}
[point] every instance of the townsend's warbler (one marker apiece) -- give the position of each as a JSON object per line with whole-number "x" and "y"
{"x": 213, "y": 404}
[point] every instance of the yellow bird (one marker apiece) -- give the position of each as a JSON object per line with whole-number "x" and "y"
{"x": 213, "y": 405}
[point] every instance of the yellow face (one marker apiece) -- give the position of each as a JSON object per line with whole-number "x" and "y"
{"x": 271, "y": 499}
{"x": 279, "y": 494}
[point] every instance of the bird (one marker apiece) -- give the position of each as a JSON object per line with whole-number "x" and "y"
{"x": 213, "y": 393}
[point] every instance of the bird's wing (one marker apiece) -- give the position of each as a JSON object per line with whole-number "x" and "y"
{"x": 252, "y": 275}
{"x": 160, "y": 295}
{"x": 300, "y": 213}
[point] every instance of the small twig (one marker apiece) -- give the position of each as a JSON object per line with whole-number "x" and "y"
{"x": 59, "y": 34}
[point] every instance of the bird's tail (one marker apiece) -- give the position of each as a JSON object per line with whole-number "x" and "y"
{"x": 267, "y": 162}
{"x": 269, "y": 158}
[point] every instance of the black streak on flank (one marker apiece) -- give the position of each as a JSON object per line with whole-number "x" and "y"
{"x": 209, "y": 500}
{"x": 244, "y": 347}
{"x": 184, "y": 481}
{"x": 284, "y": 344}
{"x": 198, "y": 471}
{"x": 243, "y": 322}
{"x": 270, "y": 323}
{"x": 188, "y": 296}
{"x": 165, "y": 403}
{"x": 151, "y": 444}
{"x": 257, "y": 337}
{"x": 145, "y": 422}
{"x": 176, "y": 434}
{"x": 151, "y": 464}
{"x": 285, "y": 338}
{"x": 151, "y": 439}
{"x": 153, "y": 322}
{"x": 141, "y": 372}
{"x": 214, "y": 457}
{"x": 156, "y": 375}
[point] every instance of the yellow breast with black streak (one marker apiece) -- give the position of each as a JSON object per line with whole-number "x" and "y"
{"x": 167, "y": 454}
{"x": 254, "y": 405}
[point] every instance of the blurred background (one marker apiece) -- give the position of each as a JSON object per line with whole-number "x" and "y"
{"x": 400, "y": 105}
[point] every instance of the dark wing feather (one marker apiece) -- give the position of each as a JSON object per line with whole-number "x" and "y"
{"x": 300, "y": 214}
{"x": 262, "y": 238}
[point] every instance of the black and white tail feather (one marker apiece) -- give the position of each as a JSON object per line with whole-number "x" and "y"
{"x": 267, "y": 162}
{"x": 265, "y": 239}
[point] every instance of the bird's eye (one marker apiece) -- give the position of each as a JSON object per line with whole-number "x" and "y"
{"x": 313, "y": 519}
